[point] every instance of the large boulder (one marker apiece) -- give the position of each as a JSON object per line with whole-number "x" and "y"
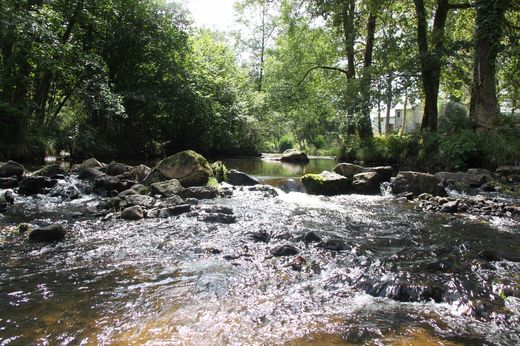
{"x": 50, "y": 233}
{"x": 11, "y": 168}
{"x": 188, "y": 167}
{"x": 141, "y": 200}
{"x": 368, "y": 183}
{"x": 8, "y": 183}
{"x": 417, "y": 183}
{"x": 385, "y": 172}
{"x": 348, "y": 170}
{"x": 235, "y": 177}
{"x": 295, "y": 156}
{"x": 326, "y": 183}
{"x": 167, "y": 188}
{"x": 34, "y": 185}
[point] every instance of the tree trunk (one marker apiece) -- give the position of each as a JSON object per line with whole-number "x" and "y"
{"x": 365, "y": 125}
{"x": 484, "y": 109}
{"x": 349, "y": 8}
{"x": 403, "y": 129}
{"x": 388, "y": 103}
{"x": 431, "y": 60}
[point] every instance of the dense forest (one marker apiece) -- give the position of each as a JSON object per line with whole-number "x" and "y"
{"x": 136, "y": 79}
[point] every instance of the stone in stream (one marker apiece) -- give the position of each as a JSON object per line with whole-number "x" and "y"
{"x": 127, "y": 192}
{"x": 143, "y": 201}
{"x": 167, "y": 188}
{"x": 450, "y": 207}
{"x": 49, "y": 233}
{"x": 294, "y": 156}
{"x": 34, "y": 185}
{"x": 90, "y": 174}
{"x": 133, "y": 213}
{"x": 11, "y": 168}
{"x": 348, "y": 170}
{"x": 417, "y": 183}
{"x": 311, "y": 237}
{"x": 260, "y": 236}
{"x": 199, "y": 192}
{"x": 51, "y": 171}
{"x": 284, "y": 250}
{"x": 9, "y": 196}
{"x": 368, "y": 183}
{"x": 218, "y": 218}
{"x": 235, "y": 177}
{"x": 188, "y": 167}
{"x": 116, "y": 168}
{"x": 8, "y": 183}
{"x": 326, "y": 183}
{"x": 109, "y": 183}
{"x": 268, "y": 190}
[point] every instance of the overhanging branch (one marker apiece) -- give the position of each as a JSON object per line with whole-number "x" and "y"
{"x": 332, "y": 68}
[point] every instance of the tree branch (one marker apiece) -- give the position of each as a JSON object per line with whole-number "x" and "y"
{"x": 461, "y": 6}
{"x": 332, "y": 68}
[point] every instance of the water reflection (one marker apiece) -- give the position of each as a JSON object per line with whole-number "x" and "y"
{"x": 268, "y": 166}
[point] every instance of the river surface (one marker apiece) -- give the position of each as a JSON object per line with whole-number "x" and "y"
{"x": 382, "y": 274}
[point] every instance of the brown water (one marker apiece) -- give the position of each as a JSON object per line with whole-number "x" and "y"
{"x": 403, "y": 277}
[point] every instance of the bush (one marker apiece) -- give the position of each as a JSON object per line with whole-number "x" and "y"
{"x": 454, "y": 118}
{"x": 287, "y": 141}
{"x": 461, "y": 150}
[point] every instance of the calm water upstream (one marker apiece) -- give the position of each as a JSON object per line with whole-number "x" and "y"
{"x": 382, "y": 274}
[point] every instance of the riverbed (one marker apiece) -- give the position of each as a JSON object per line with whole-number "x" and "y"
{"x": 370, "y": 270}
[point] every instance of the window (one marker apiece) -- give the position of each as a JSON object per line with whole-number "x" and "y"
{"x": 398, "y": 113}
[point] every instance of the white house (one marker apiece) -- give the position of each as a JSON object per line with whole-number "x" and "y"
{"x": 411, "y": 119}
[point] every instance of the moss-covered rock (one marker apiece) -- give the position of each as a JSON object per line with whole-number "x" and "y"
{"x": 220, "y": 171}
{"x": 326, "y": 183}
{"x": 189, "y": 167}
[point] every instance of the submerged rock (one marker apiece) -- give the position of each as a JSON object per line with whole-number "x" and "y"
{"x": 326, "y": 183}
{"x": 188, "y": 167}
{"x": 133, "y": 213}
{"x": 294, "y": 156}
{"x": 49, "y": 233}
{"x": 9, "y": 196}
{"x": 11, "y": 168}
{"x": 35, "y": 185}
{"x": 240, "y": 178}
{"x": 284, "y": 250}
{"x": 218, "y": 218}
{"x": 167, "y": 188}
{"x": 417, "y": 183}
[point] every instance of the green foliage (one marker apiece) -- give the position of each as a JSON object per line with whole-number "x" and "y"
{"x": 454, "y": 118}
{"x": 220, "y": 171}
{"x": 461, "y": 149}
{"x": 287, "y": 141}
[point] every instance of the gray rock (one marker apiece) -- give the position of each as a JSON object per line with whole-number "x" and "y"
{"x": 167, "y": 188}
{"x": 508, "y": 170}
{"x": 172, "y": 201}
{"x": 235, "y": 177}
{"x": 450, "y": 207}
{"x": 90, "y": 174}
{"x": 179, "y": 209}
{"x": 50, "y": 233}
{"x": 348, "y": 170}
{"x": 368, "y": 183}
{"x": 116, "y": 168}
{"x": 385, "y": 172}
{"x": 51, "y": 171}
{"x": 127, "y": 192}
{"x": 294, "y": 156}
{"x": 141, "y": 200}
{"x": 9, "y": 196}
{"x": 34, "y": 185}
{"x": 311, "y": 237}
{"x": 109, "y": 183}
{"x": 68, "y": 192}
{"x": 284, "y": 250}
{"x": 200, "y": 192}
{"x": 268, "y": 190}
{"x": 326, "y": 183}
{"x": 11, "y": 168}
{"x": 133, "y": 213}
{"x": 8, "y": 183}
{"x": 152, "y": 178}
{"x": 417, "y": 183}
{"x": 217, "y": 209}
{"x": 460, "y": 180}
{"x": 90, "y": 163}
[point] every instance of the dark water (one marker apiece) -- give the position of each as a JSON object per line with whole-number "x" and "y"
{"x": 403, "y": 277}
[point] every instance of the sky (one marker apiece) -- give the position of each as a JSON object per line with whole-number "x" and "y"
{"x": 215, "y": 14}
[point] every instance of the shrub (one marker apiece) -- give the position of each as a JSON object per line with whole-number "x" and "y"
{"x": 461, "y": 150}
{"x": 286, "y": 142}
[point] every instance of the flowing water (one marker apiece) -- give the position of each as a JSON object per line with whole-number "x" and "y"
{"x": 382, "y": 274}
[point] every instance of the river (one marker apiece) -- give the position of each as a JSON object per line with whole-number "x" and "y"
{"x": 383, "y": 273}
